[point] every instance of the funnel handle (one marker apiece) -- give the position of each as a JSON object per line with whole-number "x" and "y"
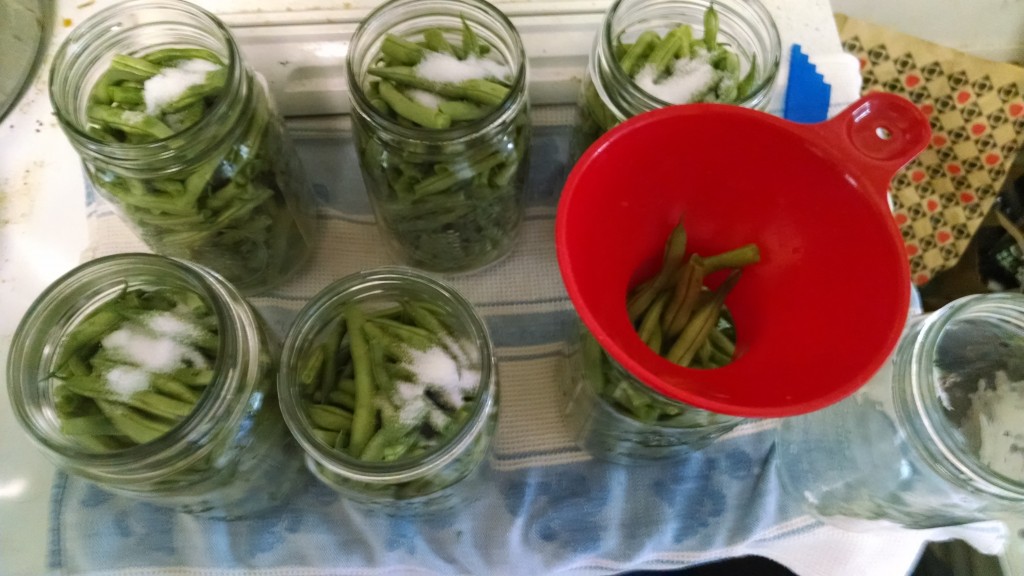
{"x": 876, "y": 136}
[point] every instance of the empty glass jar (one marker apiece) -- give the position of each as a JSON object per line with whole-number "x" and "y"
{"x": 935, "y": 439}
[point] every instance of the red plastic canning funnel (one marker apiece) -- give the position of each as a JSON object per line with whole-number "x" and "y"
{"x": 825, "y": 306}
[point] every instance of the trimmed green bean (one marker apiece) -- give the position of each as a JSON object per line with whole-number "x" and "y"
{"x": 364, "y": 413}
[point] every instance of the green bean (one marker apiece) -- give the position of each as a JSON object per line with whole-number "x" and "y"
{"x": 722, "y": 344}
{"x": 401, "y": 51}
{"x": 331, "y": 352}
{"x": 737, "y": 258}
{"x": 364, "y": 413}
{"x": 479, "y": 90}
{"x": 129, "y": 121}
{"x": 676, "y": 316}
{"x": 704, "y": 319}
{"x": 446, "y": 179}
{"x": 637, "y": 53}
{"x": 91, "y": 425}
{"x": 650, "y": 326}
{"x": 412, "y": 110}
{"x": 165, "y": 56}
{"x": 642, "y": 297}
{"x": 309, "y": 373}
{"x": 462, "y": 111}
{"x": 436, "y": 42}
{"x": 747, "y": 83}
{"x": 711, "y": 28}
{"x": 665, "y": 53}
{"x": 132, "y": 424}
{"x": 471, "y": 45}
{"x": 141, "y": 69}
{"x": 330, "y": 417}
{"x": 684, "y": 296}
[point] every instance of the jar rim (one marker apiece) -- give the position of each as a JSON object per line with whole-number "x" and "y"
{"x": 310, "y": 321}
{"x": 939, "y": 439}
{"x": 72, "y": 292}
{"x": 504, "y": 112}
{"x": 107, "y": 22}
{"x": 764, "y": 24}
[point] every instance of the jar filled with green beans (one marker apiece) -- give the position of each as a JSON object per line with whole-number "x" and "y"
{"x": 615, "y": 417}
{"x": 441, "y": 120}
{"x": 388, "y": 382}
{"x": 654, "y": 53}
{"x": 152, "y": 378}
{"x": 181, "y": 137}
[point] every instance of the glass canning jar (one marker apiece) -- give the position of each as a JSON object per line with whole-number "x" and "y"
{"x": 385, "y": 351}
{"x": 448, "y": 188}
{"x": 614, "y": 416}
{"x": 182, "y": 138}
{"x": 935, "y": 439}
{"x": 610, "y": 94}
{"x": 69, "y": 374}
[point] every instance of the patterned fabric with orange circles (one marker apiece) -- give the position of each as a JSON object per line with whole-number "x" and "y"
{"x": 976, "y": 110}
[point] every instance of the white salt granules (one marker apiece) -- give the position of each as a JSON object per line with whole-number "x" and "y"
{"x": 125, "y": 380}
{"x": 995, "y": 418}
{"x": 428, "y": 99}
{"x": 171, "y": 83}
{"x": 132, "y": 116}
{"x": 151, "y": 353}
{"x": 438, "y": 371}
{"x": 447, "y": 377}
{"x": 170, "y": 325}
{"x": 688, "y": 80}
{"x": 441, "y": 67}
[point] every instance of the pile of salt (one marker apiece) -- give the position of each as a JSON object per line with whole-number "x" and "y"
{"x": 688, "y": 80}
{"x": 159, "y": 345}
{"x": 171, "y": 83}
{"x": 441, "y": 67}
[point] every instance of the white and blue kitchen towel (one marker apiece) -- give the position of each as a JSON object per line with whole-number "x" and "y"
{"x": 545, "y": 506}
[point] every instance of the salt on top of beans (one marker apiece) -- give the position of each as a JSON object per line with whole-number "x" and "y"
{"x": 171, "y": 83}
{"x": 688, "y": 79}
{"x": 428, "y": 99}
{"x": 442, "y": 67}
{"x": 127, "y": 380}
{"x": 440, "y": 372}
{"x": 160, "y": 344}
